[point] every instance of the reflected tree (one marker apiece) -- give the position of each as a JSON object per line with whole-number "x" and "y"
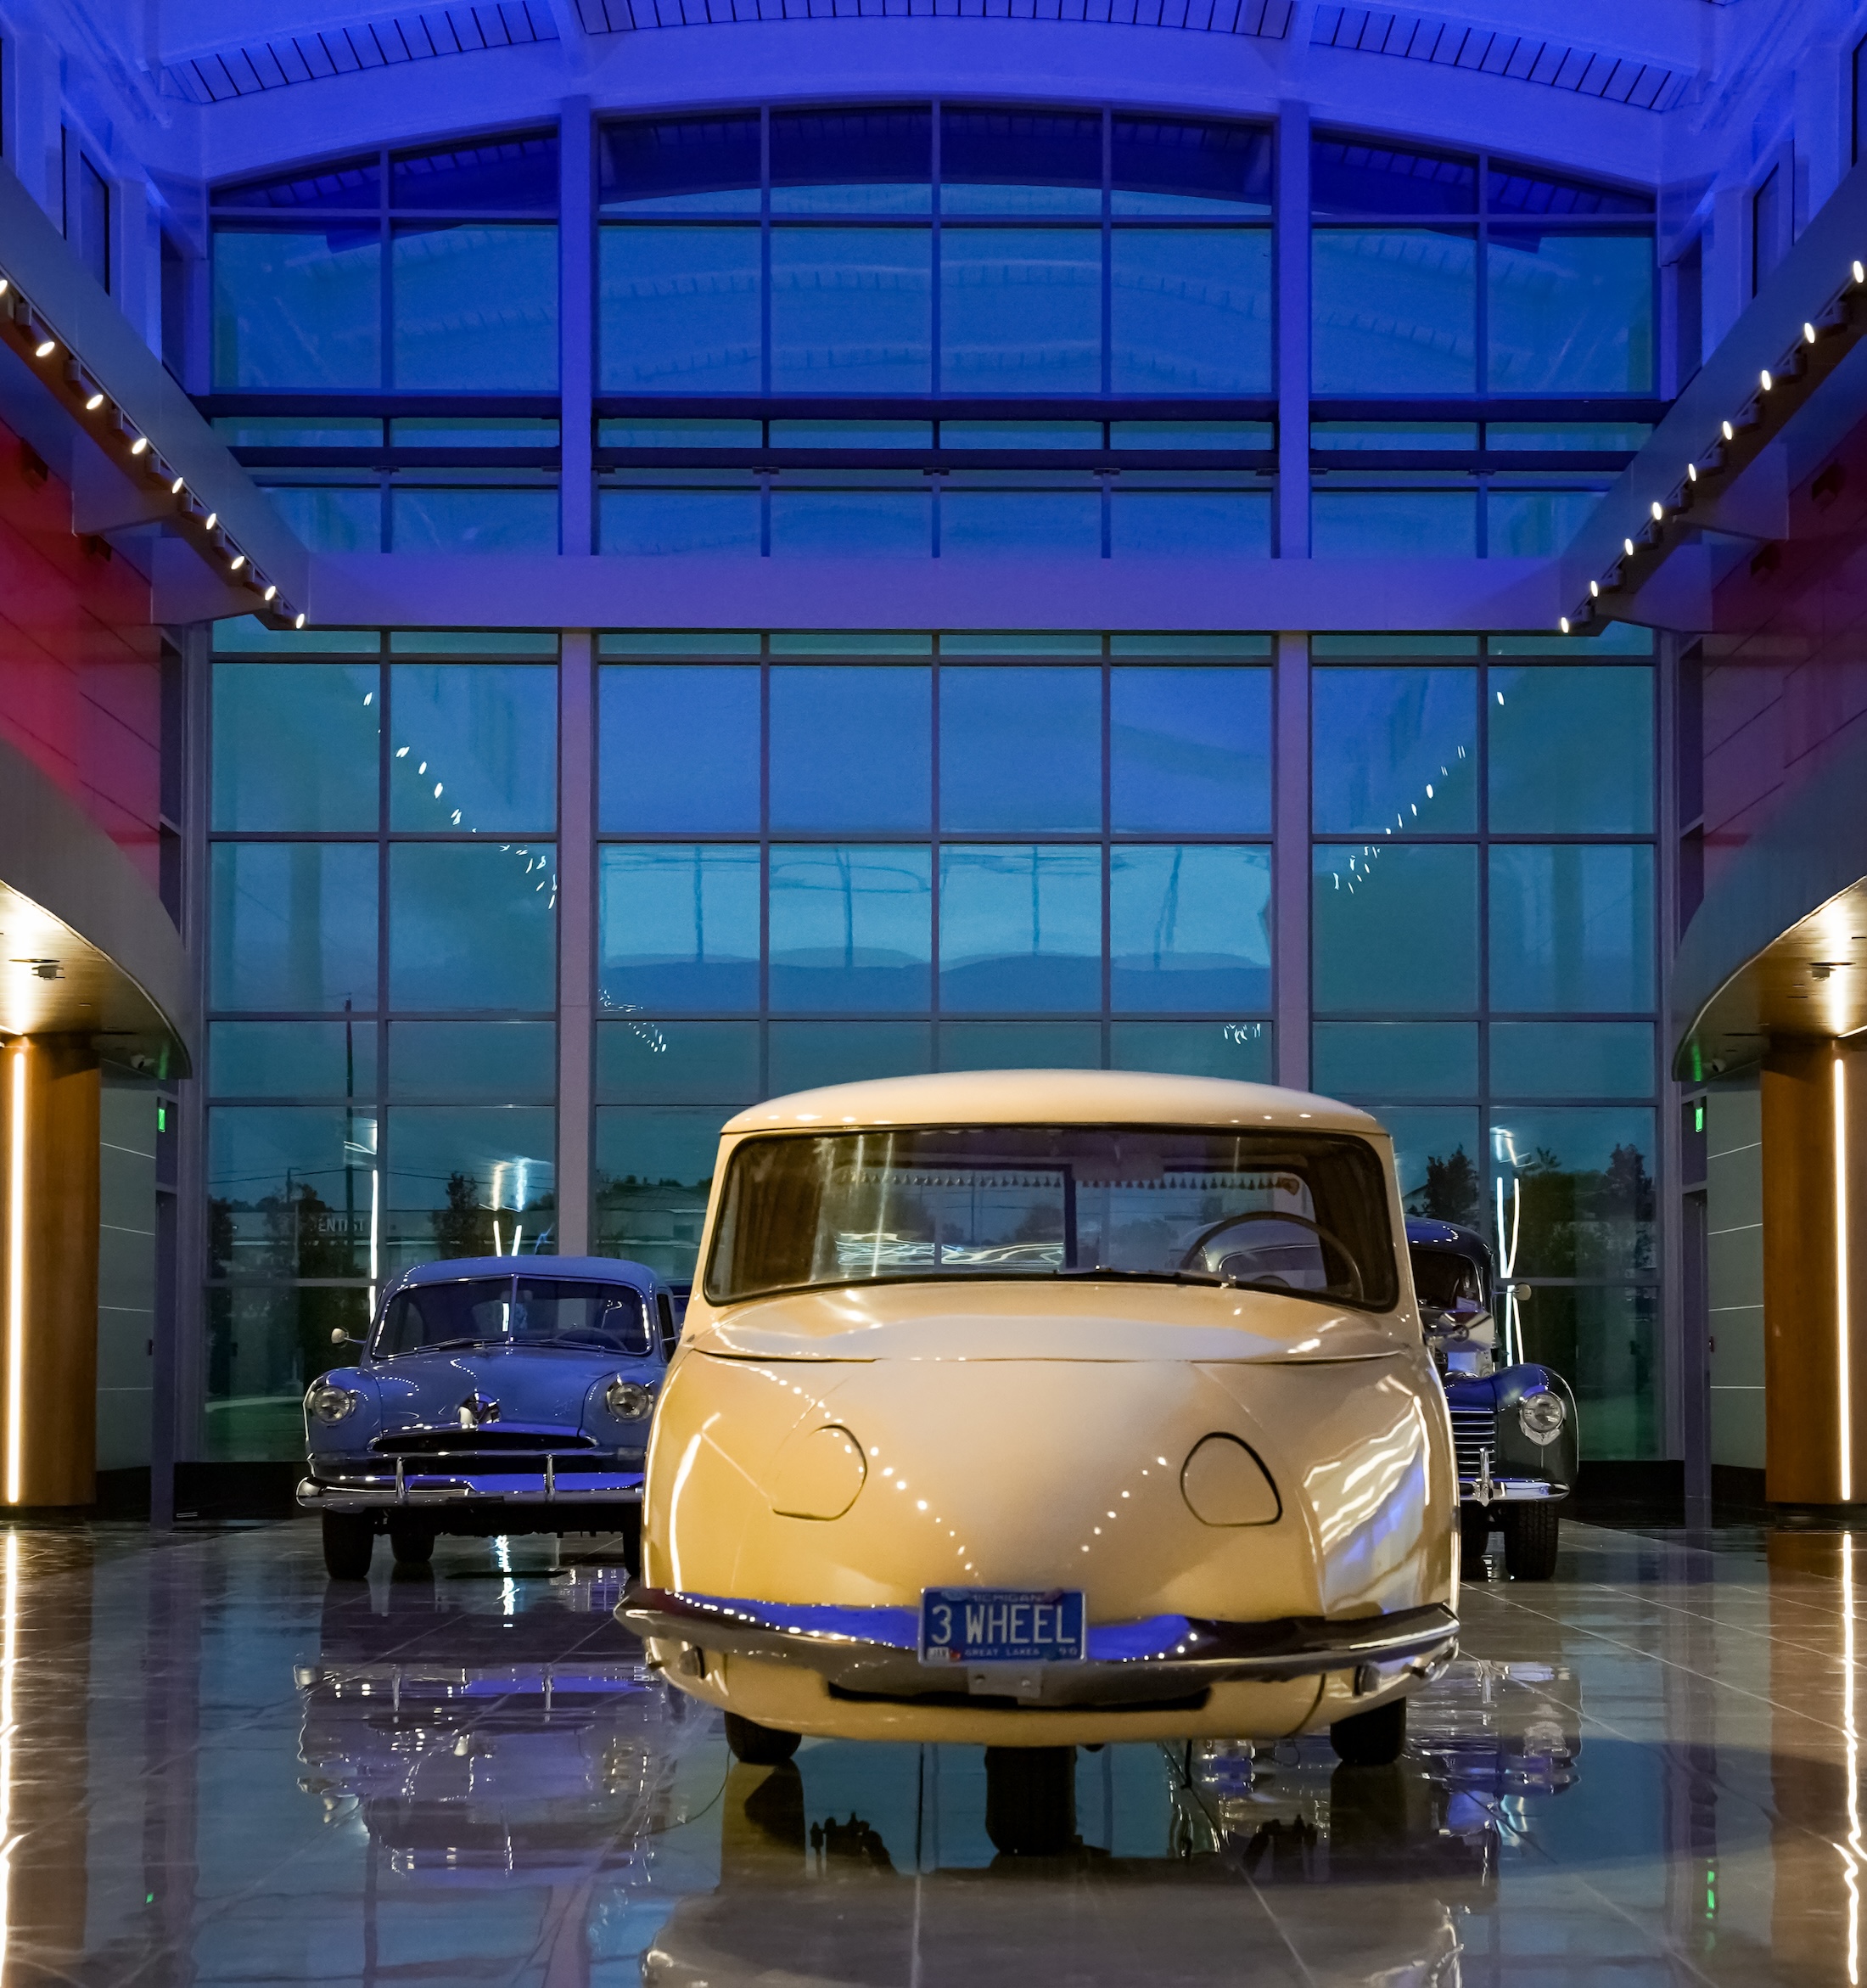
{"x": 1451, "y": 1190}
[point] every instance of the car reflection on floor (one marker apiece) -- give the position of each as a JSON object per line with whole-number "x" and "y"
{"x": 526, "y": 1742}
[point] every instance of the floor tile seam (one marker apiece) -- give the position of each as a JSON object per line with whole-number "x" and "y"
{"x": 1710, "y": 1621}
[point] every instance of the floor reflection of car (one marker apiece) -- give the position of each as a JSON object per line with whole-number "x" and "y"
{"x": 1513, "y": 1421}
{"x": 495, "y": 1395}
{"x": 1039, "y": 1408}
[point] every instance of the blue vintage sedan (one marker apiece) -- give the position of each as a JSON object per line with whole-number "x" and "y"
{"x": 496, "y": 1395}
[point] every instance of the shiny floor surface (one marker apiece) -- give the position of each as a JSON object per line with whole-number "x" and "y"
{"x": 215, "y": 1767}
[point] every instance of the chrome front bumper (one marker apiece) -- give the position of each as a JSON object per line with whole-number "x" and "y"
{"x": 875, "y": 1653}
{"x": 366, "y": 1490}
{"x": 1502, "y": 1491}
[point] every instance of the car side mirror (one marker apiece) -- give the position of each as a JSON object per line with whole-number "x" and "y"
{"x": 1522, "y": 1293}
{"x": 340, "y": 1338}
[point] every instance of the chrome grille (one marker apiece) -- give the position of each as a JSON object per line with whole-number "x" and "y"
{"x": 1473, "y": 1429}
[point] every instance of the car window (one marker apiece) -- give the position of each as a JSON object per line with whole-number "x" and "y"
{"x": 1305, "y": 1214}
{"x": 1443, "y": 1276}
{"x": 495, "y": 1311}
{"x": 670, "y": 1335}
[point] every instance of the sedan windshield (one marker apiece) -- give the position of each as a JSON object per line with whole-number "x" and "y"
{"x": 514, "y": 1311}
{"x": 1302, "y": 1213}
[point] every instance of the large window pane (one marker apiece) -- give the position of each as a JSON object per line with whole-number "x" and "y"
{"x": 851, "y": 750}
{"x": 293, "y": 926}
{"x": 1020, "y": 749}
{"x": 869, "y": 159}
{"x": 1393, "y": 525}
{"x": 491, "y": 1063}
{"x": 1352, "y": 176}
{"x": 1533, "y": 524}
{"x": 1572, "y": 927}
{"x": 468, "y": 1181}
{"x": 1370, "y": 1060}
{"x": 1394, "y": 311}
{"x": 1571, "y": 1059}
{"x": 1190, "y": 310}
{"x": 288, "y": 1191}
{"x": 1019, "y": 161}
{"x": 1189, "y": 929}
{"x": 332, "y": 518}
{"x": 292, "y": 1059}
{"x": 473, "y": 927}
{"x": 654, "y": 1170}
{"x": 423, "y": 519}
{"x": 488, "y": 176}
{"x": 1576, "y": 1189}
{"x": 850, "y": 928}
{"x": 298, "y": 308}
{"x": 1021, "y": 524}
{"x": 652, "y": 714}
{"x": 1604, "y": 1339}
{"x": 678, "y": 927}
{"x": 852, "y": 310}
{"x": 1571, "y": 750}
{"x": 1569, "y": 313}
{"x": 475, "y": 307}
{"x": 806, "y": 1054}
{"x": 1394, "y": 749}
{"x": 1172, "y": 166}
{"x": 265, "y": 1345}
{"x": 680, "y": 164}
{"x": 1020, "y": 1045}
{"x": 475, "y": 747}
{"x": 295, "y": 746}
{"x": 1439, "y": 1159}
{"x": 847, "y": 523}
{"x": 1239, "y": 1050}
{"x": 1396, "y": 929}
{"x": 1021, "y": 311}
{"x": 641, "y": 1062}
{"x": 1021, "y": 929}
{"x": 1189, "y": 524}
{"x": 1189, "y": 751}
{"x": 662, "y": 523}
{"x": 679, "y": 310}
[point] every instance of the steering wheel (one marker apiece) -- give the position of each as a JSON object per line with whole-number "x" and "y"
{"x": 1204, "y": 1240}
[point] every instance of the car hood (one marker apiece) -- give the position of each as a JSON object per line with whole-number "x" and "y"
{"x": 540, "y": 1386}
{"x": 1085, "y": 1320}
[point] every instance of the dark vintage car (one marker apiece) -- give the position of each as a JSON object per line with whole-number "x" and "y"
{"x": 1513, "y": 1421}
{"x": 496, "y": 1395}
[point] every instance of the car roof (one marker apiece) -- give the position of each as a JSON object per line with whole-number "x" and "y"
{"x": 1052, "y": 1097}
{"x": 451, "y": 1269}
{"x": 1447, "y": 1235}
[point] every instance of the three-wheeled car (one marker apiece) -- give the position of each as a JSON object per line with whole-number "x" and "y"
{"x": 1513, "y": 1420}
{"x": 1049, "y": 1408}
{"x": 495, "y": 1394}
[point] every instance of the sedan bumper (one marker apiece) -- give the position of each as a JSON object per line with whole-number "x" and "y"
{"x": 875, "y": 1653}
{"x": 1503, "y": 1490}
{"x": 377, "y": 1490}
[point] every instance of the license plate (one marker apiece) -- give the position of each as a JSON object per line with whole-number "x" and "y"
{"x": 1001, "y": 1625}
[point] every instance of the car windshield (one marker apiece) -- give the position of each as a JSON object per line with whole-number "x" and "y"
{"x": 1296, "y": 1212}
{"x": 514, "y": 1311}
{"x": 1443, "y": 1279}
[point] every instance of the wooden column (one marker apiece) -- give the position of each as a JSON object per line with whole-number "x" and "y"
{"x": 48, "y": 1249}
{"x": 1814, "y": 1168}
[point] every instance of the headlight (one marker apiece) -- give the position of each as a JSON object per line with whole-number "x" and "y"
{"x": 329, "y": 1403}
{"x": 1540, "y": 1416}
{"x": 629, "y": 1401}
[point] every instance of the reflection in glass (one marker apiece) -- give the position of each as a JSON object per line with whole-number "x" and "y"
{"x": 1396, "y": 929}
{"x": 851, "y": 522}
{"x": 1571, "y": 1059}
{"x": 652, "y": 713}
{"x": 475, "y": 747}
{"x": 293, "y": 926}
{"x": 265, "y": 1345}
{"x": 1393, "y": 524}
{"x": 1393, "y": 311}
{"x": 1440, "y": 1161}
{"x": 1171, "y": 165}
{"x": 472, "y": 925}
{"x": 292, "y": 1059}
{"x": 1020, "y": 1045}
{"x": 1020, "y": 749}
{"x": 852, "y": 310}
{"x": 1021, "y": 929}
{"x": 850, "y": 928}
{"x": 1189, "y": 929}
{"x": 474, "y": 306}
{"x": 1369, "y": 1060}
{"x": 272, "y": 284}
{"x": 661, "y": 524}
{"x": 290, "y": 1191}
{"x": 295, "y": 746}
{"x": 1241, "y": 1050}
{"x": 468, "y": 1181}
{"x": 678, "y": 310}
{"x": 491, "y": 1063}
{"x": 500, "y": 175}
{"x": 1571, "y": 750}
{"x": 1394, "y": 748}
{"x": 641, "y": 1062}
{"x": 1350, "y": 176}
{"x": 869, "y": 159}
{"x": 654, "y": 1171}
{"x": 331, "y": 518}
{"x": 680, "y": 164}
{"x": 851, "y": 749}
{"x": 1020, "y": 523}
{"x": 677, "y": 927}
{"x": 1189, "y": 751}
{"x": 1021, "y": 311}
{"x": 1571, "y": 928}
{"x": 1019, "y": 161}
{"x": 423, "y": 518}
{"x": 806, "y": 1054}
{"x": 1569, "y": 313}
{"x": 1190, "y": 310}
{"x": 1605, "y": 1339}
{"x": 1572, "y": 1190}
{"x": 1189, "y": 524}
{"x": 1534, "y": 524}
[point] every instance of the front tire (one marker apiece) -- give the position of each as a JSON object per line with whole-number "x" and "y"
{"x": 349, "y": 1539}
{"x": 1532, "y": 1534}
{"x": 1030, "y": 1800}
{"x": 758, "y": 1746}
{"x": 1474, "y": 1535}
{"x": 413, "y": 1546}
{"x": 1371, "y": 1739}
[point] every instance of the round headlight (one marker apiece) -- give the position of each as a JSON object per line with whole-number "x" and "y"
{"x": 329, "y": 1403}
{"x": 629, "y": 1401}
{"x": 1541, "y": 1415}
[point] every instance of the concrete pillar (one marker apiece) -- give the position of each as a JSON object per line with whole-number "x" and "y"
{"x": 49, "y": 1093}
{"x": 1815, "y": 1170}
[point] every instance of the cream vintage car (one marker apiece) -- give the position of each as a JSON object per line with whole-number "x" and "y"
{"x": 1042, "y": 1408}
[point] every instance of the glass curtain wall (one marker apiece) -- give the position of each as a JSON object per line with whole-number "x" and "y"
{"x": 1485, "y": 970}
{"x": 381, "y": 988}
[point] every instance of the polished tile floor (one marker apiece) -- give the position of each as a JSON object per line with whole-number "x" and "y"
{"x": 215, "y": 1768}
